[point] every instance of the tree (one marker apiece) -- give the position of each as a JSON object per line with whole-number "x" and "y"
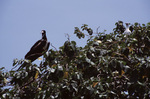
{"x": 109, "y": 66}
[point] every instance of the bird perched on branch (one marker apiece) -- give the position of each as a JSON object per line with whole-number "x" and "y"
{"x": 127, "y": 30}
{"x": 37, "y": 50}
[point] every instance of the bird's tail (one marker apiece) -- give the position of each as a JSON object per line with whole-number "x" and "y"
{"x": 22, "y": 66}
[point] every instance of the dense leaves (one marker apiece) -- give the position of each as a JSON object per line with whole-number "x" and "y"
{"x": 110, "y": 66}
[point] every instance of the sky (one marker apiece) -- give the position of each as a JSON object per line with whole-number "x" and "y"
{"x": 21, "y": 21}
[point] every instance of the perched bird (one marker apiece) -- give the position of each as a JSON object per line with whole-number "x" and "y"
{"x": 120, "y": 26}
{"x": 38, "y": 49}
{"x": 127, "y": 30}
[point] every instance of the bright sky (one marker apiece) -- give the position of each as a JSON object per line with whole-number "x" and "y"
{"x": 21, "y": 21}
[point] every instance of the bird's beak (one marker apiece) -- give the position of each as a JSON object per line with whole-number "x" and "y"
{"x": 43, "y": 31}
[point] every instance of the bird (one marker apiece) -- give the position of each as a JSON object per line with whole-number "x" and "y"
{"x": 120, "y": 26}
{"x": 127, "y": 30}
{"x": 37, "y": 50}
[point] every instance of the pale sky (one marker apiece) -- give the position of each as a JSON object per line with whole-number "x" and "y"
{"x": 21, "y": 21}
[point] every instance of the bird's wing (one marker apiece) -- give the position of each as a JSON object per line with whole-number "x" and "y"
{"x": 36, "y": 44}
{"x": 33, "y": 56}
{"x": 48, "y": 43}
{"x": 45, "y": 48}
{"x": 36, "y": 48}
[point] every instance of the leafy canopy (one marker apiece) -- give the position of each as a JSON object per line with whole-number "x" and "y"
{"x": 109, "y": 66}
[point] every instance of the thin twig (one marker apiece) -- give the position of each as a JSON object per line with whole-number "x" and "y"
{"x": 68, "y": 37}
{"x": 54, "y": 47}
{"x": 97, "y": 29}
{"x": 28, "y": 83}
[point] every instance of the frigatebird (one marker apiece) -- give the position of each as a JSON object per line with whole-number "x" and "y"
{"x": 37, "y": 50}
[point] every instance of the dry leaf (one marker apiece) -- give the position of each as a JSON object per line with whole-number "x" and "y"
{"x": 66, "y": 75}
{"x": 36, "y": 75}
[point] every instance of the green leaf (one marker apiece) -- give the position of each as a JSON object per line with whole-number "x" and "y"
{"x": 15, "y": 61}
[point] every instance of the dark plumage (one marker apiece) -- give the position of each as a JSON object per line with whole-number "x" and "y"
{"x": 120, "y": 26}
{"x": 38, "y": 49}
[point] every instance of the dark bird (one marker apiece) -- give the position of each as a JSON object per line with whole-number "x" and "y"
{"x": 38, "y": 49}
{"x": 120, "y": 26}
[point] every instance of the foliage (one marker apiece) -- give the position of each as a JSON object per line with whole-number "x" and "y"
{"x": 110, "y": 66}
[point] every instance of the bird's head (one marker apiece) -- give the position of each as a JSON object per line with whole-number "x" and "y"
{"x": 43, "y": 34}
{"x": 127, "y": 24}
